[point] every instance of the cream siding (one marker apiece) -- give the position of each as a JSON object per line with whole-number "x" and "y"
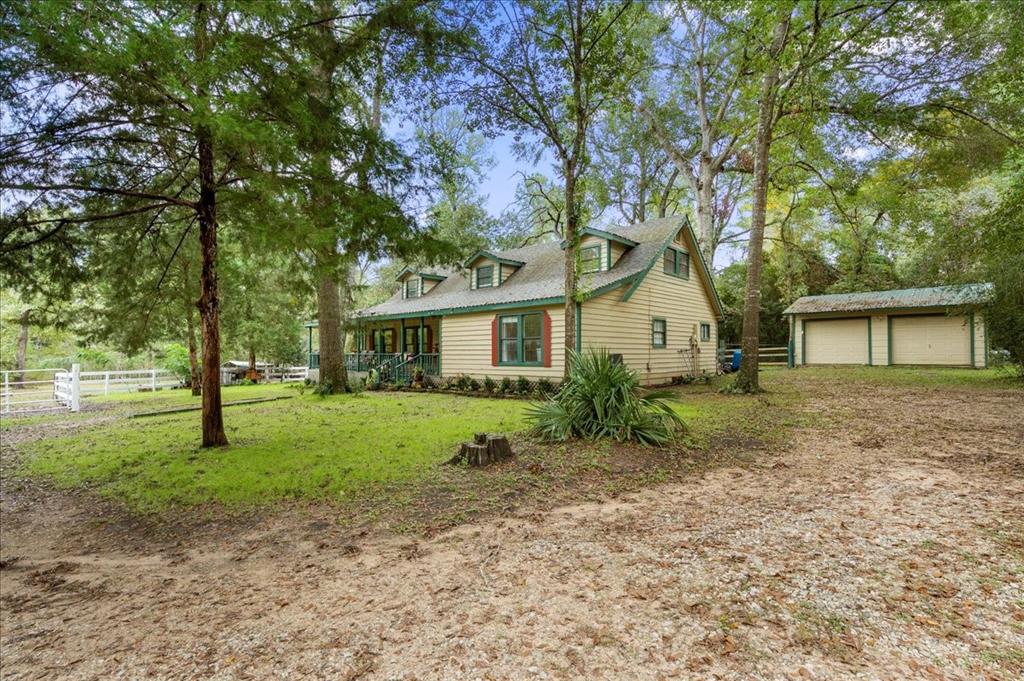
{"x": 428, "y": 284}
{"x": 506, "y": 271}
{"x": 466, "y": 345}
{"x": 879, "y": 339}
{"x": 618, "y": 250}
{"x": 624, "y": 327}
{"x": 980, "y": 341}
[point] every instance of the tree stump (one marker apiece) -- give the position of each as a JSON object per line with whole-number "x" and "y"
{"x": 485, "y": 449}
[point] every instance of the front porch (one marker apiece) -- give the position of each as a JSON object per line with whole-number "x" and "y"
{"x": 395, "y": 349}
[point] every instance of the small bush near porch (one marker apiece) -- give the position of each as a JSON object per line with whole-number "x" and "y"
{"x": 304, "y": 448}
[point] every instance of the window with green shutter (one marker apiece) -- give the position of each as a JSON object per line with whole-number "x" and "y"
{"x": 412, "y": 287}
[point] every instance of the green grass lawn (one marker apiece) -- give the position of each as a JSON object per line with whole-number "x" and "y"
{"x": 307, "y": 447}
{"x": 382, "y": 446}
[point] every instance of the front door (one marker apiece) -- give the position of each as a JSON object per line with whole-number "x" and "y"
{"x": 412, "y": 340}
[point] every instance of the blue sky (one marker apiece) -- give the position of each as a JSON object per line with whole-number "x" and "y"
{"x": 500, "y": 185}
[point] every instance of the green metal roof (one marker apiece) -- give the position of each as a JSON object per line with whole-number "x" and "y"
{"x": 935, "y": 296}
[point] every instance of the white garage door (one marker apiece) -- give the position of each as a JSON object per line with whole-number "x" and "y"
{"x": 836, "y": 341}
{"x": 931, "y": 339}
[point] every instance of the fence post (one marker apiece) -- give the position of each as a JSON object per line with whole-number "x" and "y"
{"x": 106, "y": 383}
{"x": 76, "y": 381}
{"x": 152, "y": 380}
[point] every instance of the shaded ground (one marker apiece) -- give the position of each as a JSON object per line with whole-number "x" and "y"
{"x": 886, "y": 542}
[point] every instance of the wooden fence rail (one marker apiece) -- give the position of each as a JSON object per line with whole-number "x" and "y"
{"x": 774, "y": 355}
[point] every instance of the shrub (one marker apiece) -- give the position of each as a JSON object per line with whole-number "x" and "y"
{"x": 523, "y": 386}
{"x": 603, "y": 399}
{"x": 506, "y": 385}
{"x": 490, "y": 385}
{"x": 373, "y": 380}
{"x": 177, "y": 362}
{"x": 462, "y": 381}
{"x": 324, "y": 388}
{"x": 545, "y": 387}
{"x": 474, "y": 385}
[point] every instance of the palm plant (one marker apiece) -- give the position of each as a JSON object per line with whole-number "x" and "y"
{"x": 602, "y": 398}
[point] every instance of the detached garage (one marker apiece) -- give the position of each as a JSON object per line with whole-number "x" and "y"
{"x": 939, "y": 326}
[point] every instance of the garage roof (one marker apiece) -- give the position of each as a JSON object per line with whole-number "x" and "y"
{"x": 935, "y": 296}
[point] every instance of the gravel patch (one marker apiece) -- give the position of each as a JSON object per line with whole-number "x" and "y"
{"x": 874, "y": 548}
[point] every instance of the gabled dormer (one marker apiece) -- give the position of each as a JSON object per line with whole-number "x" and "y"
{"x": 414, "y": 284}
{"x": 600, "y": 251}
{"x": 487, "y": 270}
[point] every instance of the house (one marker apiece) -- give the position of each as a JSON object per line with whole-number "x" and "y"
{"x": 645, "y": 295}
{"x": 938, "y": 326}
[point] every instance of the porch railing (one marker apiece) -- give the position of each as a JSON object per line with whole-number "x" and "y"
{"x": 364, "y": 361}
{"x": 392, "y": 366}
{"x": 429, "y": 363}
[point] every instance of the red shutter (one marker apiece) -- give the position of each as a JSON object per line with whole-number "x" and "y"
{"x": 547, "y": 338}
{"x": 494, "y": 342}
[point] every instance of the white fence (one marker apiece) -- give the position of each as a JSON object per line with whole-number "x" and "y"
{"x": 34, "y": 390}
{"x": 30, "y": 390}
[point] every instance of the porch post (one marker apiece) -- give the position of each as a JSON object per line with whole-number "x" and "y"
{"x": 401, "y": 343}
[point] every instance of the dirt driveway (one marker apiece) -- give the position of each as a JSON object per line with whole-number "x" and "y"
{"x": 879, "y": 547}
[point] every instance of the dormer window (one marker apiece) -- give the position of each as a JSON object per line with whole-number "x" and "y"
{"x": 485, "y": 276}
{"x": 590, "y": 259}
{"x": 487, "y": 270}
{"x": 412, "y": 287}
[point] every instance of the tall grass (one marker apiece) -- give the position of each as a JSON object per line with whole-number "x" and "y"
{"x": 603, "y": 399}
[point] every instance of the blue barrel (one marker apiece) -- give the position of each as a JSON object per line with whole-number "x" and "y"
{"x": 736, "y": 356}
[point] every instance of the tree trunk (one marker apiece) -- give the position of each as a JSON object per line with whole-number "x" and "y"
{"x": 252, "y": 360}
{"x": 193, "y": 361}
{"x": 747, "y": 379}
{"x": 332, "y": 351}
{"x": 706, "y": 211}
{"x": 22, "y": 349}
{"x": 209, "y": 302}
{"x": 571, "y": 227}
{"x": 329, "y": 313}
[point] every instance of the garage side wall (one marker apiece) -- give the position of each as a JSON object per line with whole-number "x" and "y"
{"x": 980, "y": 340}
